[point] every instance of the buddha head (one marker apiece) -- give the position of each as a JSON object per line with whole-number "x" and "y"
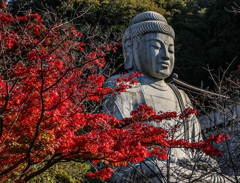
{"x": 148, "y": 45}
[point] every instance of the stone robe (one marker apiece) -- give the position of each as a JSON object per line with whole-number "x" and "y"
{"x": 160, "y": 99}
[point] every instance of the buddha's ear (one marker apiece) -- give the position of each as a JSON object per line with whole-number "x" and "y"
{"x": 128, "y": 54}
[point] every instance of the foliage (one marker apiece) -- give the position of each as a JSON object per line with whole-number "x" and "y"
{"x": 189, "y": 44}
{"x": 44, "y": 73}
{"x": 205, "y": 32}
{"x": 3, "y": 4}
{"x": 108, "y": 14}
{"x": 69, "y": 172}
{"x": 116, "y": 14}
{"x": 223, "y": 29}
{"x": 21, "y": 6}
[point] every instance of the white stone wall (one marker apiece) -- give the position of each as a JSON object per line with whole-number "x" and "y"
{"x": 225, "y": 121}
{"x": 220, "y": 117}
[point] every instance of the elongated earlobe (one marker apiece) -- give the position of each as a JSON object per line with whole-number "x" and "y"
{"x": 128, "y": 64}
{"x": 128, "y": 55}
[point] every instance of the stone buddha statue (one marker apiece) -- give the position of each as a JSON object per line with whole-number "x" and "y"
{"x": 148, "y": 47}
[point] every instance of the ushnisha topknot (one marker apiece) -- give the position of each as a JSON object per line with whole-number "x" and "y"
{"x": 147, "y": 22}
{"x": 148, "y": 15}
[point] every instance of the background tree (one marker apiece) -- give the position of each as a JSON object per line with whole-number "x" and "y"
{"x": 223, "y": 29}
{"x": 205, "y": 33}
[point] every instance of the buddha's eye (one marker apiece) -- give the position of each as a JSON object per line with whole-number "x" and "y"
{"x": 171, "y": 49}
{"x": 156, "y": 46}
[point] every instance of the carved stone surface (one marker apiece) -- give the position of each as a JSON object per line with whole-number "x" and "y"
{"x": 148, "y": 46}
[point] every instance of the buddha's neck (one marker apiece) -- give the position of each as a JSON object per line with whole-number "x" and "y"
{"x": 158, "y": 83}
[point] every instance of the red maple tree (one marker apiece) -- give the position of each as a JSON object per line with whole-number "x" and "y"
{"x": 3, "y": 4}
{"x": 51, "y": 88}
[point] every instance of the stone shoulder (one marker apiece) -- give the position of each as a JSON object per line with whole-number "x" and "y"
{"x": 186, "y": 99}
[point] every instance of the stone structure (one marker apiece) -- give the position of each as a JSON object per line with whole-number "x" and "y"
{"x": 148, "y": 46}
{"x": 225, "y": 120}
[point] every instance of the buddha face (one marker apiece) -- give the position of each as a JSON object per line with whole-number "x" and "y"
{"x": 156, "y": 55}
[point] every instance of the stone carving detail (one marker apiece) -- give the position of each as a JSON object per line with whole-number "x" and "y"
{"x": 148, "y": 46}
{"x": 148, "y": 22}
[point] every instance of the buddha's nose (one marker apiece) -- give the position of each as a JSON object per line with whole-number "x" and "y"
{"x": 165, "y": 58}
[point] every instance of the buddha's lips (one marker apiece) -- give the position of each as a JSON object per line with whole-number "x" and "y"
{"x": 165, "y": 64}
